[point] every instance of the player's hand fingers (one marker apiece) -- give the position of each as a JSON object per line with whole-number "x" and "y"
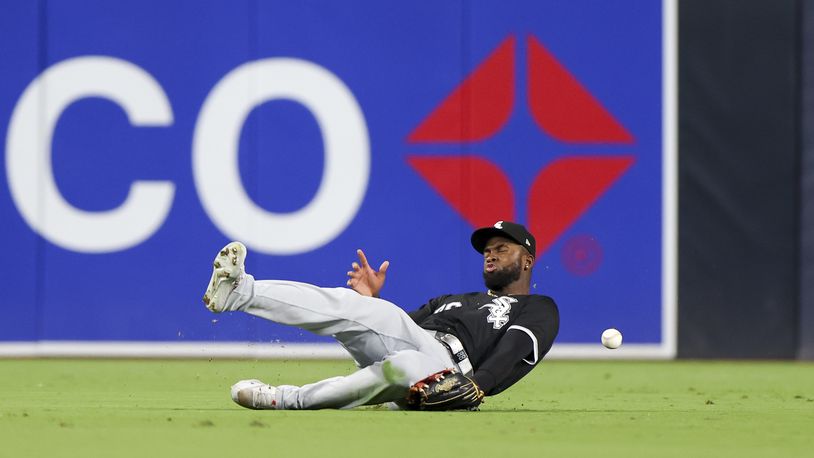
{"x": 355, "y": 266}
{"x": 383, "y": 267}
{"x": 362, "y": 257}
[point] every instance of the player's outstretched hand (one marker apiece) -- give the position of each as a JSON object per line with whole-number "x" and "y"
{"x": 363, "y": 279}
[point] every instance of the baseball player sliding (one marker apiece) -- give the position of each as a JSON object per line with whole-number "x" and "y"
{"x": 446, "y": 355}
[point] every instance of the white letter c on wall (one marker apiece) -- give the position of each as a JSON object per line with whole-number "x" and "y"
{"x": 28, "y": 155}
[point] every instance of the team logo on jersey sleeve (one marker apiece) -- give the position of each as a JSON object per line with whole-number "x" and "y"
{"x": 499, "y": 311}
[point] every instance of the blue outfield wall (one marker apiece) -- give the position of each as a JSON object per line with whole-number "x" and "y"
{"x": 141, "y": 136}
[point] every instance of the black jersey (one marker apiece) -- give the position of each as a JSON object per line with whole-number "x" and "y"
{"x": 505, "y": 336}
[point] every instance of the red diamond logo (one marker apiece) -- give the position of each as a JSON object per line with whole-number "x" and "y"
{"x": 561, "y": 107}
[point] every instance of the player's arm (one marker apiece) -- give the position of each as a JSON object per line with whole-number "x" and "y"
{"x": 363, "y": 279}
{"x": 506, "y": 364}
{"x": 519, "y": 350}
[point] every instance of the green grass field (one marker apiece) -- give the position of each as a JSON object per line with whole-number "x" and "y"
{"x": 111, "y": 408}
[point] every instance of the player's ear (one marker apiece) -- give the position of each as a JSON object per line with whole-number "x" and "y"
{"x": 528, "y": 262}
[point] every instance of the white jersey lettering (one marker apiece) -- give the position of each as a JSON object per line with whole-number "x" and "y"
{"x": 446, "y": 307}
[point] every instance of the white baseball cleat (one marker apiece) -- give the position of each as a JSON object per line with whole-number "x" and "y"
{"x": 228, "y": 268}
{"x": 254, "y": 394}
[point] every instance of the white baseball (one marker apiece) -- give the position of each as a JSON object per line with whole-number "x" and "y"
{"x": 612, "y": 338}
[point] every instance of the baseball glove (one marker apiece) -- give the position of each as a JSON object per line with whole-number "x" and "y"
{"x": 445, "y": 390}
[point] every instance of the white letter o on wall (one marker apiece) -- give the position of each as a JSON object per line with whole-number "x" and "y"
{"x": 215, "y": 155}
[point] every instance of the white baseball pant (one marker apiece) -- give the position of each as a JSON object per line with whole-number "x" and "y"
{"x": 391, "y": 351}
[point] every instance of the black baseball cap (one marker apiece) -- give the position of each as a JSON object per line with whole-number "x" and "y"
{"x": 508, "y": 229}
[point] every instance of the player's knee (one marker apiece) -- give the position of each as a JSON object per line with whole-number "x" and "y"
{"x": 406, "y": 367}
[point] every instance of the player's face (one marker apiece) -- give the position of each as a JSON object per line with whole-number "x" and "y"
{"x": 502, "y": 260}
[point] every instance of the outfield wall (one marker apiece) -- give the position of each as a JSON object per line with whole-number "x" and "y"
{"x": 739, "y": 179}
{"x": 806, "y": 322}
{"x": 141, "y": 137}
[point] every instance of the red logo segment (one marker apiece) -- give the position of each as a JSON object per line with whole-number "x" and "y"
{"x": 479, "y": 107}
{"x": 562, "y": 107}
{"x": 475, "y": 187}
{"x": 566, "y": 189}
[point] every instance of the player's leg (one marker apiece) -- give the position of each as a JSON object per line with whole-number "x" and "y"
{"x": 369, "y": 328}
{"x": 384, "y": 381}
{"x": 393, "y": 350}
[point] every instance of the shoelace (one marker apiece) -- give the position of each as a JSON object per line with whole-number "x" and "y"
{"x": 263, "y": 396}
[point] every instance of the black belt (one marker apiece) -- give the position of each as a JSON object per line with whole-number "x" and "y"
{"x": 456, "y": 349}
